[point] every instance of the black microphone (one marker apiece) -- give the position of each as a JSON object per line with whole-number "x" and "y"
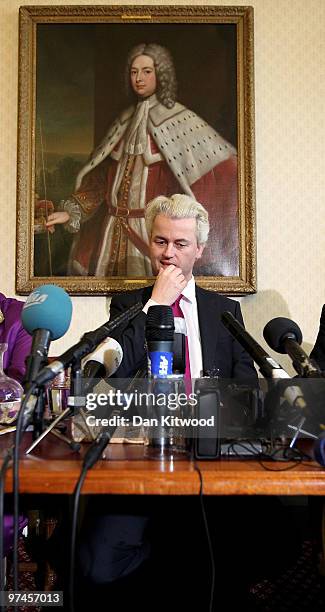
{"x": 160, "y": 339}
{"x": 101, "y": 363}
{"x": 86, "y": 345}
{"x": 160, "y": 343}
{"x": 267, "y": 365}
{"x": 104, "y": 361}
{"x": 284, "y": 336}
{"x": 94, "y": 369}
{"x": 179, "y": 348}
{"x": 179, "y": 353}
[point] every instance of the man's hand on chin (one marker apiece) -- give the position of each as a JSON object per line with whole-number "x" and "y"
{"x": 169, "y": 284}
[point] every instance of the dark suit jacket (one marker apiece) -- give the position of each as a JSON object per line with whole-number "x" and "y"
{"x": 318, "y": 352}
{"x": 219, "y": 349}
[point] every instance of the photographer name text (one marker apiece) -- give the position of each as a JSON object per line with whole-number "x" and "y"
{"x": 139, "y": 421}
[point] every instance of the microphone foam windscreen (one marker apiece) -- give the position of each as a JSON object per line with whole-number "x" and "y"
{"x": 160, "y": 323}
{"x": 277, "y": 330}
{"x": 109, "y": 353}
{"x": 47, "y": 307}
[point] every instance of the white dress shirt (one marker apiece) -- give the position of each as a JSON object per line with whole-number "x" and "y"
{"x": 188, "y": 306}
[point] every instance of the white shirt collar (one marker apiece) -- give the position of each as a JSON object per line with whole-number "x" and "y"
{"x": 189, "y": 291}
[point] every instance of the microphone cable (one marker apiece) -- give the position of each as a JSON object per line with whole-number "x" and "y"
{"x": 19, "y": 427}
{"x": 76, "y": 497}
{"x": 92, "y": 455}
{"x": 3, "y": 470}
{"x": 5, "y": 465}
{"x": 207, "y": 532}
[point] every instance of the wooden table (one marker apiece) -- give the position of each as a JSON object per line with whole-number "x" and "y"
{"x": 53, "y": 468}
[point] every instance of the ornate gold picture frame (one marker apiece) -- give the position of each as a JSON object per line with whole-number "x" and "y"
{"x": 93, "y": 149}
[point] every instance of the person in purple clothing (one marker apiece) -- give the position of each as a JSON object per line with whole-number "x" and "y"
{"x": 13, "y": 334}
{"x": 19, "y": 344}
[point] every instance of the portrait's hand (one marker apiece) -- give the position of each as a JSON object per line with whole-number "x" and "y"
{"x": 54, "y": 218}
{"x": 169, "y": 284}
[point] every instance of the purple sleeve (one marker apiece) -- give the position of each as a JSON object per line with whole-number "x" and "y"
{"x": 12, "y": 333}
{"x": 21, "y": 349}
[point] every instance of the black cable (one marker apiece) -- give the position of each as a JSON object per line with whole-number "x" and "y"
{"x": 292, "y": 455}
{"x": 3, "y": 470}
{"x": 92, "y": 455}
{"x": 21, "y": 422}
{"x": 207, "y": 531}
{"x": 295, "y": 458}
{"x": 76, "y": 496}
{"x": 243, "y": 444}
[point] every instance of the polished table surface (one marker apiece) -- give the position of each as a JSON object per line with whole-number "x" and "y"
{"x": 53, "y": 468}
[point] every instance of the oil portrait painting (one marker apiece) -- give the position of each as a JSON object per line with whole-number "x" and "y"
{"x": 123, "y": 105}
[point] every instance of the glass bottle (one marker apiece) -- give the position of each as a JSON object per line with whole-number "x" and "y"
{"x": 58, "y": 393}
{"x": 11, "y": 393}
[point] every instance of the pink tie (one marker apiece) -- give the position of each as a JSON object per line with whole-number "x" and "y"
{"x": 177, "y": 312}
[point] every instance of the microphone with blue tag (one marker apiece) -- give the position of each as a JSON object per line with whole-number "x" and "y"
{"x": 163, "y": 383}
{"x": 160, "y": 341}
{"x": 46, "y": 316}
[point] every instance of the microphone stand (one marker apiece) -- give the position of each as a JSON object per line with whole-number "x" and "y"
{"x": 34, "y": 363}
{"x": 296, "y": 425}
{"x": 76, "y": 403}
{"x": 76, "y": 400}
{"x": 38, "y": 414}
{"x": 74, "y": 355}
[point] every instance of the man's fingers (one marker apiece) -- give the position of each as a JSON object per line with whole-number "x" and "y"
{"x": 170, "y": 269}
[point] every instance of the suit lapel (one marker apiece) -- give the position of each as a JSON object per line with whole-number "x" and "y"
{"x": 208, "y": 315}
{"x": 146, "y": 294}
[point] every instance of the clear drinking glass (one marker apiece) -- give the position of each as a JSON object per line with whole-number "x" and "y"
{"x": 58, "y": 393}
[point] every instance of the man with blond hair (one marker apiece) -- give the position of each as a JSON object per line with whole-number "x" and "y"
{"x": 178, "y": 230}
{"x": 116, "y": 545}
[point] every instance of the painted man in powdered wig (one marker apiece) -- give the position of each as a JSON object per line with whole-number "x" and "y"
{"x": 155, "y": 147}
